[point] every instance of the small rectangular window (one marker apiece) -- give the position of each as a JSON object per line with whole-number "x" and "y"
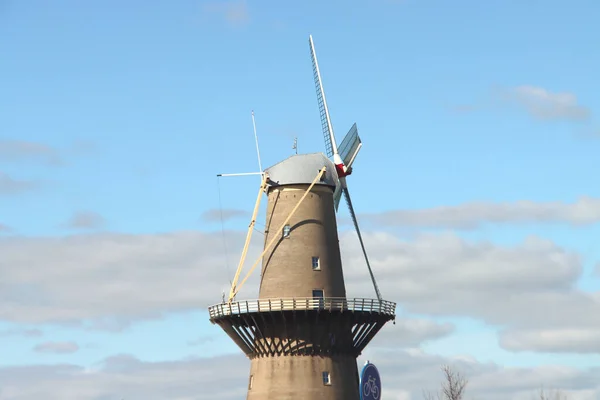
{"x": 316, "y": 264}
{"x": 286, "y": 231}
{"x": 318, "y": 294}
{"x": 251, "y": 381}
{"x": 326, "y": 378}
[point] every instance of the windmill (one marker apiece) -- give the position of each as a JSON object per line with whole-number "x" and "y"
{"x": 343, "y": 156}
{"x": 303, "y": 334}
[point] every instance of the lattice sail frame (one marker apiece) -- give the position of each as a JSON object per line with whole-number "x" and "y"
{"x": 330, "y": 145}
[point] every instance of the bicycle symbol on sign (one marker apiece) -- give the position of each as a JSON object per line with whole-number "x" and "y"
{"x": 370, "y": 388}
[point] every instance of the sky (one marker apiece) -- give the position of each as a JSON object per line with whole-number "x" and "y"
{"x": 476, "y": 186}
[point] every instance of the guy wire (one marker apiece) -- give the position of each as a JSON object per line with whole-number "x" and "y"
{"x": 223, "y": 230}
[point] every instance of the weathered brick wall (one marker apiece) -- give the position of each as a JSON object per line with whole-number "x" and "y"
{"x": 301, "y": 378}
{"x": 287, "y": 266}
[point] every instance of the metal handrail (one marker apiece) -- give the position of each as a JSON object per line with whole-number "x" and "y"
{"x": 303, "y": 303}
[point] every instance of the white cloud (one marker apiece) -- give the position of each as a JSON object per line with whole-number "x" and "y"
{"x": 105, "y": 281}
{"x": 19, "y": 150}
{"x": 543, "y": 104}
{"x": 214, "y": 215}
{"x": 557, "y": 340}
{"x": 415, "y": 370}
{"x": 112, "y": 279}
{"x": 234, "y": 12}
{"x": 21, "y": 332}
{"x": 586, "y": 210}
{"x": 404, "y": 374}
{"x": 411, "y": 332}
{"x": 201, "y": 340}
{"x": 56, "y": 347}
{"x": 85, "y": 220}
{"x": 9, "y": 186}
{"x": 444, "y": 275}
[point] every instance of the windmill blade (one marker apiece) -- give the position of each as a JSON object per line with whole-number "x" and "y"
{"x": 337, "y": 196}
{"x": 330, "y": 145}
{"x": 350, "y": 146}
{"x": 362, "y": 245}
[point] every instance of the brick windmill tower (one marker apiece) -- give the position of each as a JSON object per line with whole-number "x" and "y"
{"x": 303, "y": 334}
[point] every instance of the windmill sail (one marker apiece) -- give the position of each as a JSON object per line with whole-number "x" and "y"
{"x": 343, "y": 159}
{"x": 337, "y": 196}
{"x": 350, "y": 146}
{"x": 354, "y": 220}
{"x": 330, "y": 146}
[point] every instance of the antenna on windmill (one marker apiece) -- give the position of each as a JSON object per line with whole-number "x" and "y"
{"x": 263, "y": 188}
{"x": 295, "y": 146}
{"x": 256, "y": 140}
{"x": 261, "y": 172}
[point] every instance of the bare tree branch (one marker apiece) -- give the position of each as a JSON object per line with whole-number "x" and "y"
{"x": 453, "y": 387}
{"x": 430, "y": 396}
{"x": 555, "y": 395}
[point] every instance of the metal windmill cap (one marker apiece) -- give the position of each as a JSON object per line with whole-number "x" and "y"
{"x": 302, "y": 169}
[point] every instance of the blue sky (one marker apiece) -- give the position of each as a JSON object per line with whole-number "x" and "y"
{"x": 115, "y": 118}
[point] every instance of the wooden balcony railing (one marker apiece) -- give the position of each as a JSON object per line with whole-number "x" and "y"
{"x": 303, "y": 304}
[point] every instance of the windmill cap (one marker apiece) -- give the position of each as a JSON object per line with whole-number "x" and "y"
{"x": 302, "y": 169}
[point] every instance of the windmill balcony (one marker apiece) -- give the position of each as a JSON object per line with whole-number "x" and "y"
{"x": 302, "y": 304}
{"x": 302, "y": 326}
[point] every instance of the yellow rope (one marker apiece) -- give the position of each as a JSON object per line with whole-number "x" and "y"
{"x": 232, "y": 291}
{"x": 275, "y": 237}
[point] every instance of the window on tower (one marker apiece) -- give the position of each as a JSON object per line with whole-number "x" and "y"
{"x": 326, "y": 378}
{"x": 250, "y": 381}
{"x": 286, "y": 231}
{"x": 316, "y": 264}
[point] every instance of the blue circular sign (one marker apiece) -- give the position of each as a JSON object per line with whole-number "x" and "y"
{"x": 370, "y": 383}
